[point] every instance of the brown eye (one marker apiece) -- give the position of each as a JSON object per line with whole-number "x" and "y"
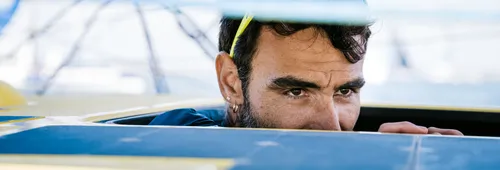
{"x": 344, "y": 92}
{"x": 296, "y": 92}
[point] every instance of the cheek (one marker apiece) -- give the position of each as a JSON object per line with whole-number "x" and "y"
{"x": 270, "y": 106}
{"x": 276, "y": 109}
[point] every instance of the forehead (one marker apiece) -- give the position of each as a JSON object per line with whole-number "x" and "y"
{"x": 307, "y": 53}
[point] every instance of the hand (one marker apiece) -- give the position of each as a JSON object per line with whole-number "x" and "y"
{"x": 402, "y": 127}
{"x": 410, "y": 128}
{"x": 433, "y": 130}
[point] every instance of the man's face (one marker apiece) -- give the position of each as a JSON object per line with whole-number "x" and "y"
{"x": 301, "y": 82}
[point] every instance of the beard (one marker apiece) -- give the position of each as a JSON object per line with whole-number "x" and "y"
{"x": 246, "y": 117}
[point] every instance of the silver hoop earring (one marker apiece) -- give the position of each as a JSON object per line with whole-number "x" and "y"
{"x": 235, "y": 108}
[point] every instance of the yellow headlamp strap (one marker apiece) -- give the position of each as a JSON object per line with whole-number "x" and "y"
{"x": 243, "y": 25}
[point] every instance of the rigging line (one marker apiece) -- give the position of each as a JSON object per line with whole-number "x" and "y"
{"x": 400, "y": 50}
{"x": 37, "y": 33}
{"x": 158, "y": 76}
{"x": 74, "y": 50}
{"x": 195, "y": 33}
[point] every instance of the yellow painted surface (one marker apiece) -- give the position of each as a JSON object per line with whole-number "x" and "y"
{"x": 10, "y": 97}
{"x": 6, "y": 166}
{"x": 21, "y": 120}
{"x": 81, "y": 162}
{"x": 158, "y": 108}
{"x": 85, "y": 105}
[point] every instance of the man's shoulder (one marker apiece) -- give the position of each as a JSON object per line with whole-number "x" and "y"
{"x": 190, "y": 117}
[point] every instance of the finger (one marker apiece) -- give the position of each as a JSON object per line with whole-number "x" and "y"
{"x": 445, "y": 131}
{"x": 402, "y": 127}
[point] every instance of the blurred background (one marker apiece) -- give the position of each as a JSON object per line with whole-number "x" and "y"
{"x": 98, "y": 47}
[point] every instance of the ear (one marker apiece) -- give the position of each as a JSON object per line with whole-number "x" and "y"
{"x": 229, "y": 81}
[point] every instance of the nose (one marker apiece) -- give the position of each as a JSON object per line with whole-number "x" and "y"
{"x": 327, "y": 116}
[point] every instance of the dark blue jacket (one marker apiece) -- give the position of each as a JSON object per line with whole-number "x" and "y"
{"x": 190, "y": 117}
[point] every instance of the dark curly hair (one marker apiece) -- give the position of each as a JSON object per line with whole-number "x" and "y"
{"x": 350, "y": 39}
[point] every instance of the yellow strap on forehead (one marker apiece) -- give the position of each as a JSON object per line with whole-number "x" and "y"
{"x": 243, "y": 25}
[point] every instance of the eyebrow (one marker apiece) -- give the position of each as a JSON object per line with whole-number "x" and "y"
{"x": 293, "y": 82}
{"x": 357, "y": 83}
